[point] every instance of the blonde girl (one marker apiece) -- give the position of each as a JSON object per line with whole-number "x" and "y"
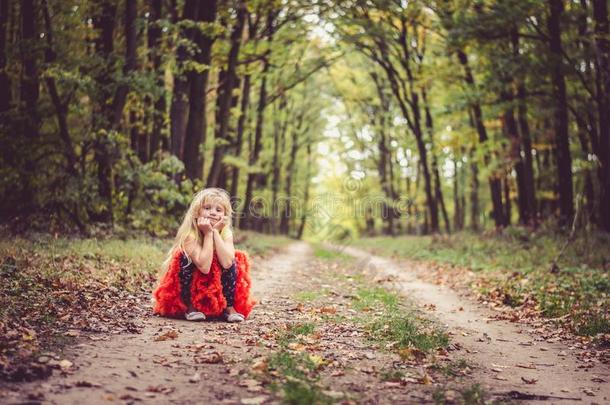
{"x": 203, "y": 268}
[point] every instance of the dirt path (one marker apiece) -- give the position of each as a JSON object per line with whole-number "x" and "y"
{"x": 307, "y": 318}
{"x": 170, "y": 360}
{"x": 508, "y": 357}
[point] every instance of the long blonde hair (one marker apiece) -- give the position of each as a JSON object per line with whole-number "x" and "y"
{"x": 189, "y": 222}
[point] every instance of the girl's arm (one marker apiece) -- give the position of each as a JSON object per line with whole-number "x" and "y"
{"x": 224, "y": 249}
{"x": 201, "y": 254}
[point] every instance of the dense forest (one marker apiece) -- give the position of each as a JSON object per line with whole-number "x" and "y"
{"x": 378, "y": 116}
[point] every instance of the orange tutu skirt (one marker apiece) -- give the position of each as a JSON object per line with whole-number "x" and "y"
{"x": 206, "y": 289}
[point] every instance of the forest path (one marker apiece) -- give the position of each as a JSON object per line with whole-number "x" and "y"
{"x": 507, "y": 356}
{"x": 170, "y": 361}
{"x": 305, "y": 339}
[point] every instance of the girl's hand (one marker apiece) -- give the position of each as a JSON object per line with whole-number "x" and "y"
{"x": 204, "y": 225}
{"x": 221, "y": 223}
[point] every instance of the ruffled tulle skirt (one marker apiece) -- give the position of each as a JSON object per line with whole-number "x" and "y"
{"x": 206, "y": 289}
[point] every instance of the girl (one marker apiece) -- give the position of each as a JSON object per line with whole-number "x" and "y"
{"x": 204, "y": 274}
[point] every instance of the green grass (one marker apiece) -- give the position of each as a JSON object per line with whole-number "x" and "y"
{"x": 391, "y": 322}
{"x": 324, "y": 253}
{"x": 259, "y": 244}
{"x": 299, "y": 378}
{"x": 515, "y": 265}
{"x": 309, "y": 296}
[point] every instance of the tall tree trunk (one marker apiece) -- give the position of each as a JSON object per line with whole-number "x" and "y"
{"x": 61, "y": 107}
{"x": 507, "y": 203}
{"x": 104, "y": 47}
{"x": 600, "y": 15}
{"x": 589, "y": 188}
{"x": 30, "y": 92}
{"x": 290, "y": 172}
{"x": 379, "y": 120}
{"x": 509, "y": 126}
{"x": 154, "y": 47}
{"x": 180, "y": 102}
{"x": 525, "y": 151}
{"x": 131, "y": 36}
{"x": 241, "y": 124}
{"x": 197, "y": 124}
{"x": 457, "y": 214}
{"x": 474, "y": 194}
{"x": 562, "y": 141}
{"x": 225, "y": 98}
{"x": 495, "y": 185}
{"x": 258, "y": 132}
{"x": 437, "y": 178}
{"x": 306, "y": 196}
{"x": 5, "y": 83}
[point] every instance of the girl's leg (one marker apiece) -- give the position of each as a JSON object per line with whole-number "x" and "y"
{"x": 186, "y": 277}
{"x": 228, "y": 279}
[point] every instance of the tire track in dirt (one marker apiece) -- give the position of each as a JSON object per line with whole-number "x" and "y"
{"x": 170, "y": 361}
{"x": 506, "y": 354}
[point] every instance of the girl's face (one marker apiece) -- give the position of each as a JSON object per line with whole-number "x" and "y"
{"x": 212, "y": 210}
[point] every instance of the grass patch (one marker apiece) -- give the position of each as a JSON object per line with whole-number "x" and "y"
{"x": 298, "y": 370}
{"x": 391, "y": 322}
{"x": 513, "y": 267}
{"x": 309, "y": 296}
{"x": 258, "y": 244}
{"x": 324, "y": 253}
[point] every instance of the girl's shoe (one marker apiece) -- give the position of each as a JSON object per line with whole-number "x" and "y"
{"x": 235, "y": 317}
{"x": 194, "y": 316}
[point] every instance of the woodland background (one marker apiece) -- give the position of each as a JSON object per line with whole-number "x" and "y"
{"x": 433, "y": 116}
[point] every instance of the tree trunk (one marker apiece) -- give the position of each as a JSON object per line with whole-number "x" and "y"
{"x": 241, "y": 124}
{"x": 154, "y": 45}
{"x": 225, "y": 98}
{"x": 562, "y": 141}
{"x": 600, "y": 15}
{"x": 290, "y": 171}
{"x": 509, "y": 126}
{"x": 437, "y": 178}
{"x": 258, "y": 132}
{"x": 104, "y": 46}
{"x": 131, "y": 36}
{"x": 180, "y": 104}
{"x": 306, "y": 196}
{"x": 5, "y": 83}
{"x": 61, "y": 108}
{"x": 198, "y": 81}
{"x": 30, "y": 92}
{"x": 525, "y": 151}
{"x": 495, "y": 185}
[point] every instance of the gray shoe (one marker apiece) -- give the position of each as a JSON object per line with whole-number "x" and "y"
{"x": 194, "y": 316}
{"x": 235, "y": 318}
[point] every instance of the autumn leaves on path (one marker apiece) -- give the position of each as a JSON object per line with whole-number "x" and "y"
{"x": 330, "y": 328}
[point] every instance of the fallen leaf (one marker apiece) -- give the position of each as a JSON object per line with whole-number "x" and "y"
{"x": 411, "y": 354}
{"x": 529, "y": 380}
{"x": 172, "y": 334}
{"x": 260, "y": 365}
{"x": 195, "y": 378}
{"x": 210, "y": 358}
